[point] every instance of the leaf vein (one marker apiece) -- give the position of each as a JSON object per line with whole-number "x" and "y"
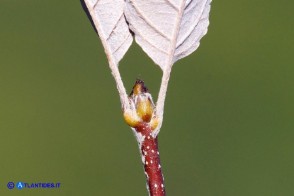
{"x": 172, "y": 5}
{"x": 121, "y": 44}
{"x": 149, "y": 23}
{"x": 194, "y": 26}
{"x": 115, "y": 26}
{"x": 96, "y": 4}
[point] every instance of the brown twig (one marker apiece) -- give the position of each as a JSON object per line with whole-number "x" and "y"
{"x": 151, "y": 160}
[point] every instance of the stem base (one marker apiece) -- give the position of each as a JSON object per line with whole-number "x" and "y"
{"x": 151, "y": 160}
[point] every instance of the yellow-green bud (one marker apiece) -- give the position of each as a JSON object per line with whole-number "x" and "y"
{"x": 144, "y": 108}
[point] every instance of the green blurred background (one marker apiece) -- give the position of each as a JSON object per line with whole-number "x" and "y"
{"x": 228, "y": 127}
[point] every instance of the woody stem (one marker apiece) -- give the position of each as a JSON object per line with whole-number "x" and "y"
{"x": 151, "y": 160}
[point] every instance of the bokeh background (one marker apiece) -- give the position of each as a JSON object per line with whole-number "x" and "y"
{"x": 228, "y": 126}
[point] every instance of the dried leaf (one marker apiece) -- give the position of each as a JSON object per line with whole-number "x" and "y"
{"x": 109, "y": 20}
{"x": 168, "y": 30}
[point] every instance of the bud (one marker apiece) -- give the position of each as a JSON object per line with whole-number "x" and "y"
{"x": 154, "y": 122}
{"x": 142, "y": 106}
{"x": 131, "y": 118}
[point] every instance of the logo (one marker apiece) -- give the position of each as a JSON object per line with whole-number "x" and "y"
{"x": 20, "y": 185}
{"x": 33, "y": 185}
{"x": 10, "y": 185}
